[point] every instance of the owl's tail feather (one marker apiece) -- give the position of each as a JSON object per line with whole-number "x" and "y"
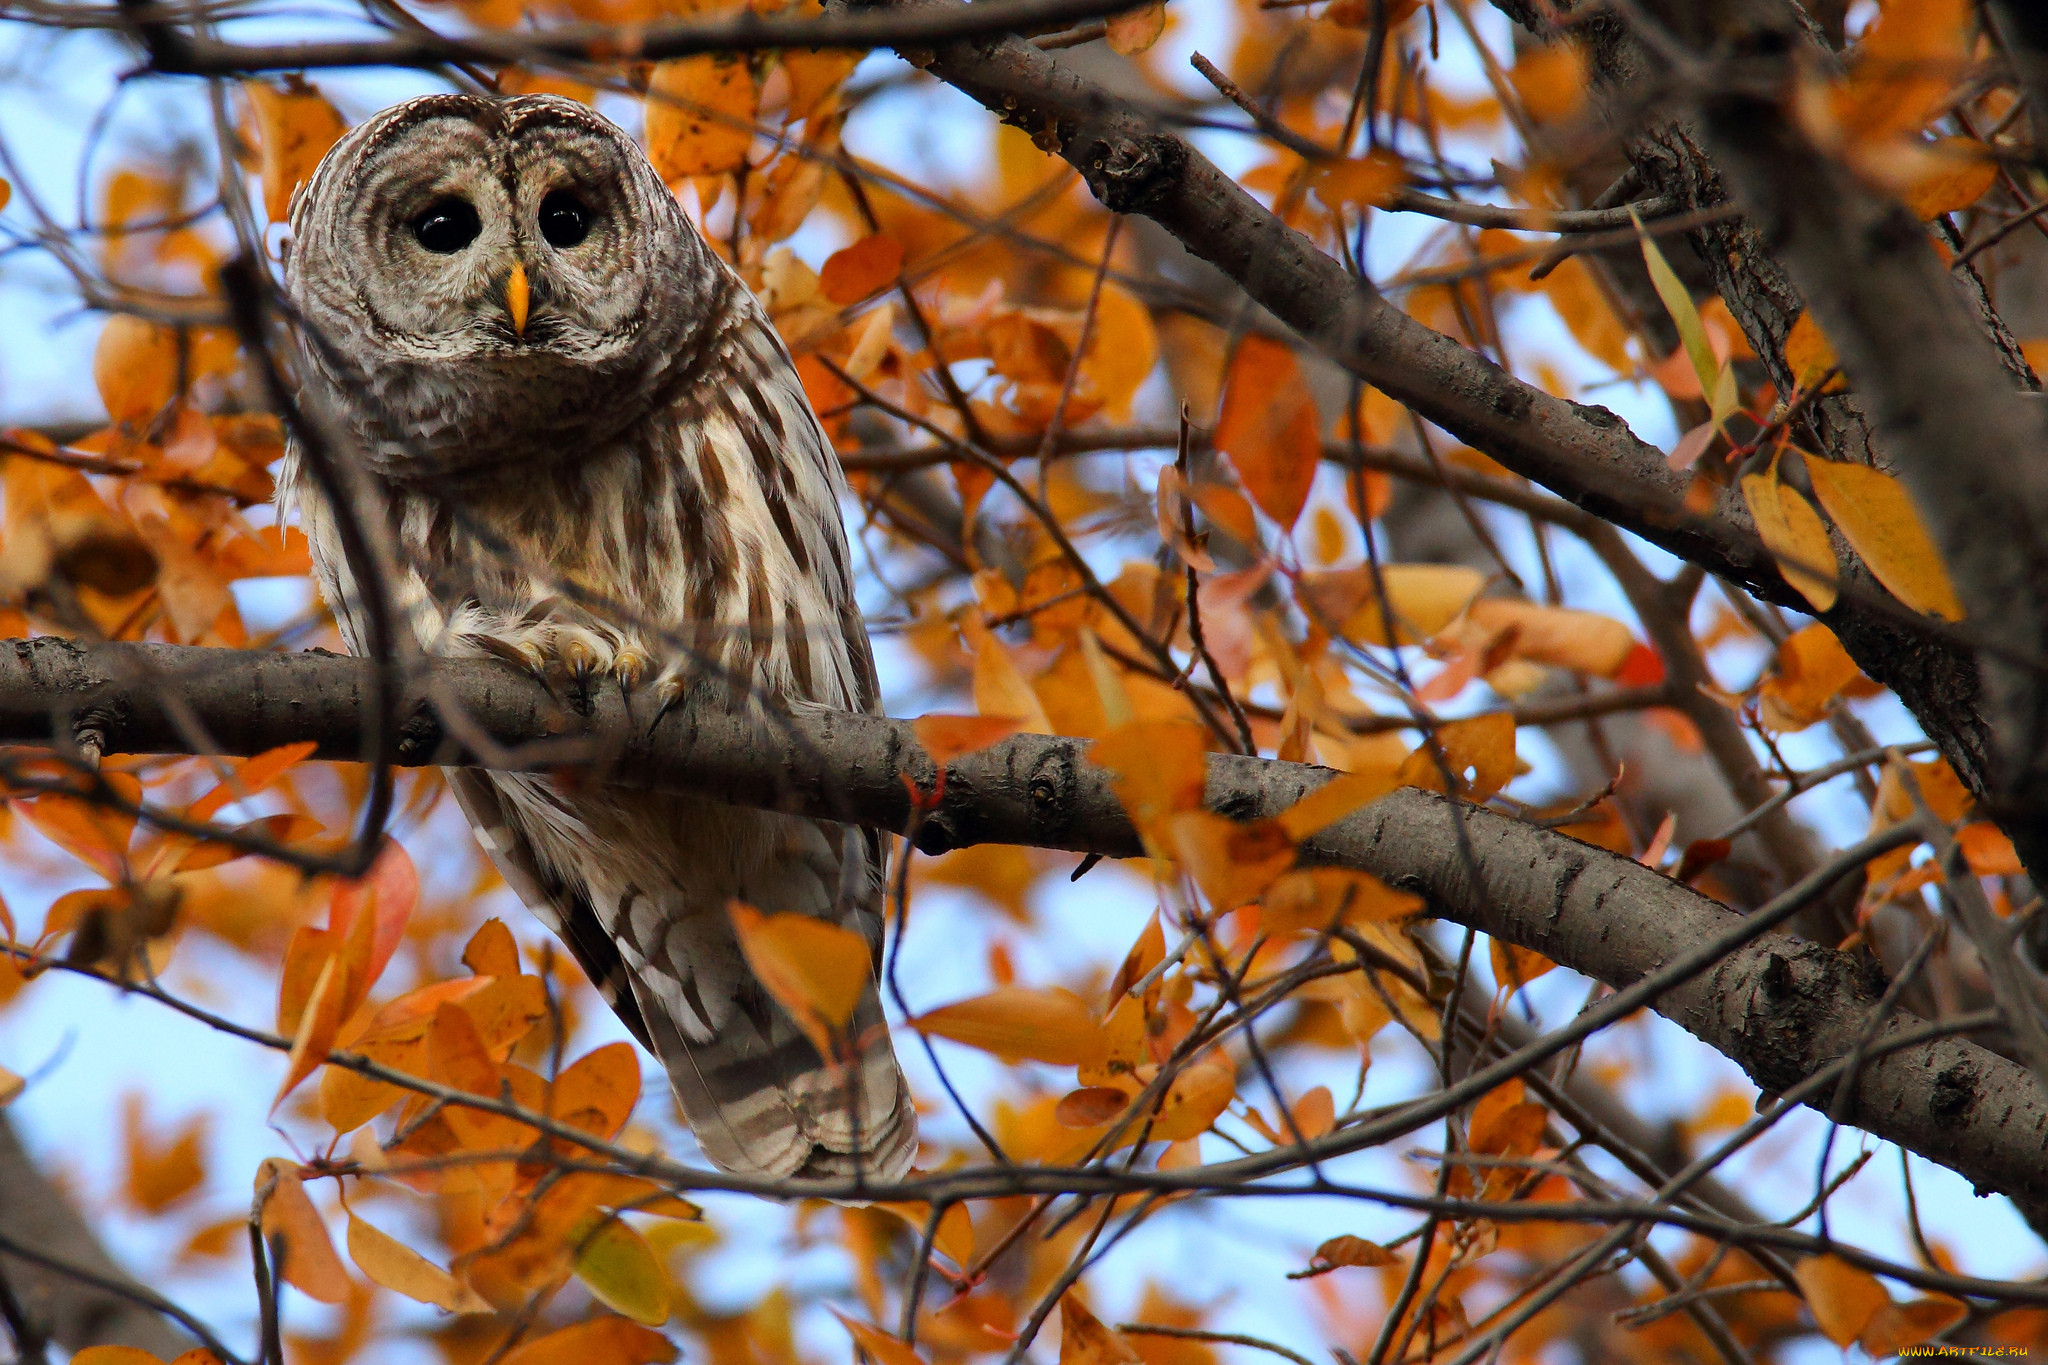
{"x": 762, "y": 1102}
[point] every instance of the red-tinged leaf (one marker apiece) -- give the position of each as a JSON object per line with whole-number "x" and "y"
{"x": 867, "y": 267}
{"x": 1644, "y": 667}
{"x": 390, "y": 892}
{"x": 279, "y": 829}
{"x": 878, "y": 1345}
{"x": 310, "y": 1264}
{"x": 946, "y": 738}
{"x": 1700, "y": 855}
{"x": 251, "y": 776}
{"x": 1091, "y": 1106}
{"x": 1315, "y": 1113}
{"x": 396, "y": 1266}
{"x": 1019, "y": 1023}
{"x": 1268, "y": 427}
{"x": 600, "y": 1341}
{"x": 1345, "y": 1250}
{"x": 1899, "y": 1325}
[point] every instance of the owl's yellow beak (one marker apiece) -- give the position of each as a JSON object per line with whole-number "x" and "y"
{"x": 516, "y": 298}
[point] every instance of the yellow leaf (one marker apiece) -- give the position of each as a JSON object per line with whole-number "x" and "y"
{"x": 600, "y": 1341}
{"x": 1320, "y": 898}
{"x": 700, "y": 113}
{"x": 1017, "y": 1022}
{"x": 946, "y": 738}
{"x": 1233, "y": 863}
{"x": 1268, "y": 427}
{"x": 815, "y": 970}
{"x": 1123, "y": 346}
{"x": 1421, "y": 598}
{"x": 1809, "y": 355}
{"x": 1844, "y": 1299}
{"x": 1135, "y": 30}
{"x": 1794, "y": 534}
{"x": 622, "y": 1272}
{"x": 1879, "y": 521}
{"x": 396, "y": 1266}
{"x": 310, "y": 1264}
{"x": 1552, "y": 81}
{"x": 1515, "y": 967}
{"x": 1812, "y": 669}
{"x": 1583, "y": 641}
{"x": 954, "y": 1238}
{"x": 885, "y": 1349}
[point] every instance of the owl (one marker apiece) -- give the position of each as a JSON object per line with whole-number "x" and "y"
{"x": 595, "y": 460}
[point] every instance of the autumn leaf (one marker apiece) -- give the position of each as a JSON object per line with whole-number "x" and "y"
{"x": 1794, "y": 534}
{"x": 1019, "y": 1023}
{"x": 1478, "y": 754}
{"x": 621, "y": 1271}
{"x": 135, "y": 366}
{"x": 294, "y": 126}
{"x": 1365, "y": 182}
{"x": 390, "y": 1263}
{"x": 1810, "y": 355}
{"x": 1421, "y": 600}
{"x": 309, "y": 1264}
{"x": 1878, "y": 519}
{"x": 954, "y": 1238}
{"x": 867, "y": 267}
{"x": 1269, "y": 429}
{"x": 883, "y": 1348}
{"x": 11, "y": 1086}
{"x": 1716, "y": 379}
{"x": 1345, "y": 1250}
{"x": 1135, "y": 30}
{"x": 700, "y": 112}
{"x": 1084, "y": 1340}
{"x": 946, "y": 738}
{"x": 816, "y": 970}
{"x": 1844, "y": 1299}
{"x": 600, "y": 1341}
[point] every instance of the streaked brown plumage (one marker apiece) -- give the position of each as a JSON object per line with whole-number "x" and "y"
{"x": 597, "y": 460}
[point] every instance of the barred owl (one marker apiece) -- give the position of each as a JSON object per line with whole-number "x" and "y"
{"x": 597, "y": 461}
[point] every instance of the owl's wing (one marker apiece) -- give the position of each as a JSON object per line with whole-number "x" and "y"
{"x": 554, "y": 901}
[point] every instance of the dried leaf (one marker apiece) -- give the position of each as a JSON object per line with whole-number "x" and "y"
{"x": 1422, "y": 600}
{"x": 1019, "y": 1023}
{"x": 1084, "y": 1340}
{"x": 1515, "y": 966}
{"x": 1135, "y": 30}
{"x": 597, "y": 1092}
{"x": 1878, "y": 519}
{"x": 1345, "y": 1250}
{"x": 1160, "y": 767}
{"x": 1899, "y": 1325}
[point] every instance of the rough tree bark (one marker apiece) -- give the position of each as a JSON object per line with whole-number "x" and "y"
{"x": 1780, "y": 1008}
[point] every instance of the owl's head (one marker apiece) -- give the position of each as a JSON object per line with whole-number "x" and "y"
{"x": 470, "y": 267}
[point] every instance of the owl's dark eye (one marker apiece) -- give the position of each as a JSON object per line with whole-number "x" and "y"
{"x": 447, "y": 226}
{"x": 564, "y": 219}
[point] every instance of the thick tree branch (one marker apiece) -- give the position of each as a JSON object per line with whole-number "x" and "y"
{"x": 1780, "y": 1008}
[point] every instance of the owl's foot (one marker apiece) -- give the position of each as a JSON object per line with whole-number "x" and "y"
{"x": 570, "y": 659}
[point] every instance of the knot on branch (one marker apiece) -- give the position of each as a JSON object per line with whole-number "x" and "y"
{"x": 1130, "y": 173}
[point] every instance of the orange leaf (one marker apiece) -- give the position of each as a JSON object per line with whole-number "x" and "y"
{"x": 869, "y": 266}
{"x": 1812, "y": 669}
{"x": 946, "y": 738}
{"x": 700, "y": 113}
{"x": 1422, "y": 599}
{"x": 1016, "y": 1023}
{"x": 1367, "y": 182}
{"x": 317, "y": 1025}
{"x": 1879, "y": 521}
{"x": 1091, "y": 1106}
{"x": 597, "y": 1092}
{"x": 1844, "y": 1300}
{"x": 815, "y": 970}
{"x": 135, "y": 366}
{"x": 1268, "y": 427}
{"x": 1160, "y": 767}
{"x": 160, "y": 1174}
{"x": 1342, "y": 1251}
{"x": 1479, "y": 754}
{"x": 1084, "y": 1340}
{"x": 491, "y": 950}
{"x": 1583, "y": 641}
{"x": 116, "y": 1355}
{"x": 1000, "y": 688}
{"x": 1956, "y": 173}
{"x": 1898, "y": 1325}
{"x": 251, "y": 776}
{"x": 1515, "y": 966}
{"x": 1333, "y": 801}
{"x": 310, "y": 1264}
{"x": 1809, "y": 354}
{"x": 600, "y": 1341}
{"x": 885, "y": 1349}
{"x": 1233, "y": 863}
{"x": 295, "y": 125}
{"x": 1315, "y": 899}
{"x": 1315, "y": 1113}
{"x": 396, "y": 1266}
{"x": 954, "y": 1237}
